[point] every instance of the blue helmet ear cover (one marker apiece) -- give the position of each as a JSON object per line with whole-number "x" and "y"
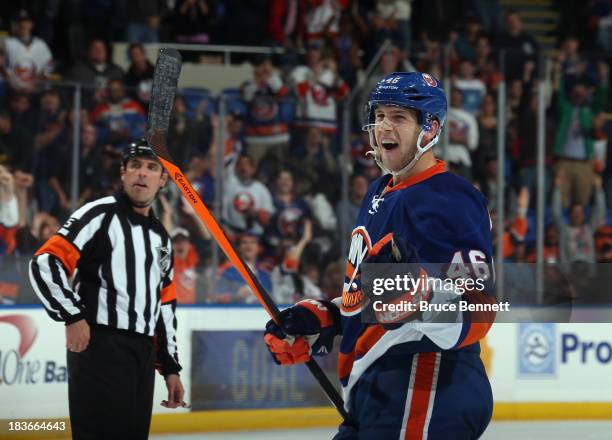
{"x": 418, "y": 91}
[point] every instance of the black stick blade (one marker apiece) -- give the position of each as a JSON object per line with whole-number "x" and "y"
{"x": 165, "y": 81}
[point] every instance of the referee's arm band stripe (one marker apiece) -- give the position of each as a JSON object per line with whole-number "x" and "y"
{"x": 61, "y": 248}
{"x": 168, "y": 293}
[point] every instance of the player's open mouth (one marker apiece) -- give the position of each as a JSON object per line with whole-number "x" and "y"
{"x": 140, "y": 185}
{"x": 389, "y": 144}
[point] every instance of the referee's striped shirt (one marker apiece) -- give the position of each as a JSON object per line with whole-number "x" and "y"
{"x": 111, "y": 266}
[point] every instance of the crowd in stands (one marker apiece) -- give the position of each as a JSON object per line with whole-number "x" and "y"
{"x": 277, "y": 185}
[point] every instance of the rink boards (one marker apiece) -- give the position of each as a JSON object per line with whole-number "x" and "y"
{"x": 537, "y": 371}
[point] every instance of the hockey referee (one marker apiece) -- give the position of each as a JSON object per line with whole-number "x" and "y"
{"x": 107, "y": 274}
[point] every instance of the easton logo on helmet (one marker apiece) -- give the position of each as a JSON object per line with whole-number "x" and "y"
{"x": 430, "y": 80}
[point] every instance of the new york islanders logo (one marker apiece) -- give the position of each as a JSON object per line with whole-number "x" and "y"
{"x": 376, "y": 201}
{"x": 352, "y": 296}
{"x": 430, "y": 80}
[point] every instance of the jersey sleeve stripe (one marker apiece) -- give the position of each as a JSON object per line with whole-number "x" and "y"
{"x": 368, "y": 339}
{"x": 345, "y": 365}
{"x": 53, "y": 296}
{"x": 479, "y": 322}
{"x": 43, "y": 293}
{"x": 58, "y": 275}
{"x": 63, "y": 250}
{"x": 380, "y": 243}
{"x": 365, "y": 342}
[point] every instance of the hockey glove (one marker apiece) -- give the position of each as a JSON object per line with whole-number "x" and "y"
{"x": 307, "y": 328}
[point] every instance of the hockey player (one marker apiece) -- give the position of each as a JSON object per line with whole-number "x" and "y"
{"x": 107, "y": 274}
{"x": 418, "y": 379}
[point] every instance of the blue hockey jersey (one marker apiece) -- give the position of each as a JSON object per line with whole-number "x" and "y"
{"x": 446, "y": 220}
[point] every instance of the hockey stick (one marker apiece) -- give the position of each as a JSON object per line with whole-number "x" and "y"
{"x": 165, "y": 80}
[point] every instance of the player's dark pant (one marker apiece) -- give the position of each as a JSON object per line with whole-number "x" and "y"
{"x": 110, "y": 386}
{"x": 434, "y": 396}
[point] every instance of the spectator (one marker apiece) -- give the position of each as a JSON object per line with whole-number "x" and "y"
{"x": 575, "y": 137}
{"x": 23, "y": 113}
{"x": 139, "y": 77}
{"x": 266, "y": 129}
{"x": 16, "y": 145}
{"x": 288, "y": 283}
{"x": 487, "y": 134}
{"x": 603, "y": 246}
{"x": 526, "y": 123}
{"x": 464, "y": 43}
{"x": 199, "y": 173}
{"x": 185, "y": 266}
{"x": 95, "y": 72}
{"x": 199, "y": 236}
{"x": 486, "y": 64}
{"x": 144, "y": 18}
{"x": 234, "y": 138}
{"x": 576, "y": 241}
{"x": 290, "y": 211}
{"x": 472, "y": 88}
{"x": 333, "y": 278}
{"x": 551, "y": 246}
{"x": 29, "y": 58}
{"x": 247, "y": 203}
{"x": 9, "y": 212}
{"x": 431, "y": 62}
{"x": 188, "y": 134}
{"x": 31, "y": 237}
{"x": 518, "y": 47}
{"x": 462, "y": 136}
{"x": 316, "y": 167}
{"x": 574, "y": 66}
{"x": 513, "y": 241}
{"x": 363, "y": 162}
{"x": 318, "y": 88}
{"x": 193, "y": 20}
{"x": 321, "y": 21}
{"x": 487, "y": 183}
{"x": 600, "y": 144}
{"x": 390, "y": 61}
{"x": 286, "y": 23}
{"x": 391, "y": 19}
{"x": 50, "y": 144}
{"x": 90, "y": 172}
{"x": 119, "y": 120}
{"x": 357, "y": 191}
{"x": 346, "y": 49}
{"x": 89, "y": 166}
{"x": 230, "y": 286}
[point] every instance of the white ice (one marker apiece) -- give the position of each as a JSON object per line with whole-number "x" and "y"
{"x": 557, "y": 430}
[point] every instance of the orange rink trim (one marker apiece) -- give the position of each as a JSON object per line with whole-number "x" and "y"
{"x": 313, "y": 417}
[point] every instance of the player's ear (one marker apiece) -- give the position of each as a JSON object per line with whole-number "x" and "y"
{"x": 122, "y": 172}
{"x": 434, "y": 126}
{"x": 164, "y": 178}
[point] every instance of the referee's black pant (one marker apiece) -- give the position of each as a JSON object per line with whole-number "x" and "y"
{"x": 110, "y": 386}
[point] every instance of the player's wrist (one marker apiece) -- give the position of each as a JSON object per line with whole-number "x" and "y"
{"x": 325, "y": 312}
